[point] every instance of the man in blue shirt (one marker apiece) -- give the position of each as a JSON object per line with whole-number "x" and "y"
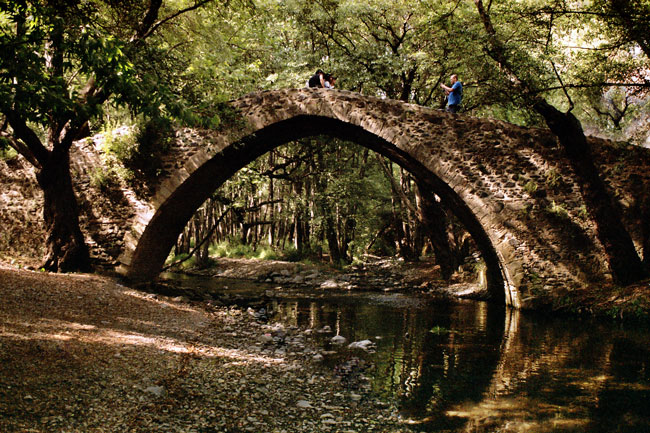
{"x": 454, "y": 94}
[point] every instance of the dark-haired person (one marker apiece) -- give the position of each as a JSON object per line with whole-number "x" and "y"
{"x": 454, "y": 94}
{"x": 329, "y": 81}
{"x": 317, "y": 80}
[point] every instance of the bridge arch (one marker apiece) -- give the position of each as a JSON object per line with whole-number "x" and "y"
{"x": 457, "y": 157}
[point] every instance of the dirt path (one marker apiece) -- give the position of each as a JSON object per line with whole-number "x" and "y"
{"x": 83, "y": 353}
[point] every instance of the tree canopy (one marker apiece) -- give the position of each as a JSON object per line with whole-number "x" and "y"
{"x": 66, "y": 67}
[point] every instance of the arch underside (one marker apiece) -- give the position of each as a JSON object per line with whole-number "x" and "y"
{"x": 171, "y": 216}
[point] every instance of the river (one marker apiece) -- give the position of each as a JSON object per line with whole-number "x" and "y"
{"x": 470, "y": 366}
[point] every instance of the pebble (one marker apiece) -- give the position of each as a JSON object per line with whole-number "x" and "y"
{"x": 366, "y": 345}
{"x": 338, "y": 339}
{"x": 158, "y": 391}
{"x": 329, "y": 284}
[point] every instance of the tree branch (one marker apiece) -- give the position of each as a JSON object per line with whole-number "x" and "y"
{"x": 21, "y": 148}
{"x": 396, "y": 188}
{"x": 25, "y": 134}
{"x": 148, "y": 20}
{"x": 155, "y": 25}
{"x": 200, "y": 244}
{"x": 564, "y": 89}
{"x": 594, "y": 85}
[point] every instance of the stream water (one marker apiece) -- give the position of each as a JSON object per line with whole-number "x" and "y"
{"x": 469, "y": 366}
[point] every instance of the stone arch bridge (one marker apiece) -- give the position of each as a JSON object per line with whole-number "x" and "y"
{"x": 510, "y": 186}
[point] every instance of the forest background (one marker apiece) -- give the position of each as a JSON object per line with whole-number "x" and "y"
{"x": 134, "y": 71}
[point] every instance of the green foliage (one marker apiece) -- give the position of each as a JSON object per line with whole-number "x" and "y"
{"x": 120, "y": 143}
{"x": 294, "y": 255}
{"x": 440, "y": 330}
{"x": 557, "y": 210}
{"x": 318, "y": 179}
{"x": 536, "y": 284}
{"x": 186, "y": 264}
{"x": 48, "y": 54}
{"x": 154, "y": 138}
{"x": 583, "y": 213}
{"x": 6, "y": 152}
{"x": 185, "y": 72}
{"x": 530, "y": 187}
{"x": 552, "y": 178}
{"x": 235, "y": 249}
{"x": 135, "y": 152}
{"x": 68, "y": 61}
{"x": 101, "y": 179}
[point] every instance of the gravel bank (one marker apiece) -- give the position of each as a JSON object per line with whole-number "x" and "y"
{"x": 82, "y": 353}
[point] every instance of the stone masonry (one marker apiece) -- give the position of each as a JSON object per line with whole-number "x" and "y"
{"x": 511, "y": 186}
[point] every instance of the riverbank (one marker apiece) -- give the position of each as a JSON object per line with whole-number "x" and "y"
{"x": 388, "y": 274}
{"x": 84, "y": 353}
{"x": 606, "y": 301}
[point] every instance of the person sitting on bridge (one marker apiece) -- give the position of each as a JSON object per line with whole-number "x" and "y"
{"x": 329, "y": 81}
{"x": 317, "y": 80}
{"x": 454, "y": 94}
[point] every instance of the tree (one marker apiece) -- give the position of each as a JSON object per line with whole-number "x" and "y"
{"x": 623, "y": 259}
{"x": 61, "y": 62}
{"x": 627, "y": 20}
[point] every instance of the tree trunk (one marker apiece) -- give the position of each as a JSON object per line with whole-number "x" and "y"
{"x": 332, "y": 238}
{"x": 625, "y": 264}
{"x": 66, "y": 249}
{"x": 433, "y": 221}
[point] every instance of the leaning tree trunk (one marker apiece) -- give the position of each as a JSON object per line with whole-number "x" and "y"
{"x": 66, "y": 249}
{"x": 625, "y": 264}
{"x": 433, "y": 221}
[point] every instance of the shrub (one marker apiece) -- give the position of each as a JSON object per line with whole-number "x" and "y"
{"x": 101, "y": 179}
{"x": 136, "y": 151}
{"x": 552, "y": 178}
{"x": 558, "y": 210}
{"x": 235, "y": 249}
{"x": 530, "y": 187}
{"x": 6, "y": 151}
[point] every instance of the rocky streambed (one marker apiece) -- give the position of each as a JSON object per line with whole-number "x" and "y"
{"x": 84, "y": 353}
{"x": 377, "y": 274}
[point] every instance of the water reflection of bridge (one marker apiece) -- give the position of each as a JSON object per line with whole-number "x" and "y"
{"x": 476, "y": 368}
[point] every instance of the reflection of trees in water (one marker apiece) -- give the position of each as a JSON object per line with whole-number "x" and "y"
{"x": 457, "y": 359}
{"x": 429, "y": 357}
{"x": 623, "y": 400}
{"x": 556, "y": 376}
{"x": 465, "y": 368}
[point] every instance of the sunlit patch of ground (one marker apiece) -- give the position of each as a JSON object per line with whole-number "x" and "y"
{"x": 83, "y": 353}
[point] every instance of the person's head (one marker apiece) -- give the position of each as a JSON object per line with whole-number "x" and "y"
{"x": 453, "y": 78}
{"x": 319, "y": 72}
